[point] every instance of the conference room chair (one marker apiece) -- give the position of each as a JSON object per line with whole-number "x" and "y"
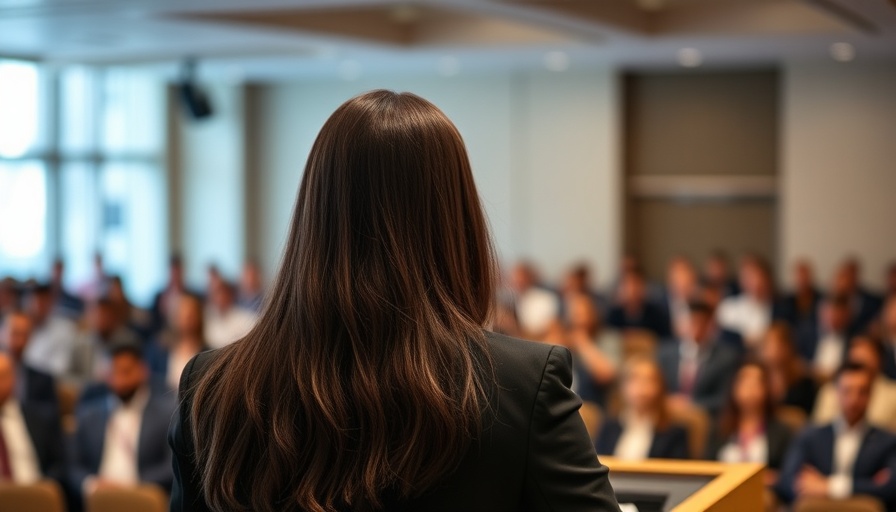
{"x": 592, "y": 416}
{"x": 855, "y": 504}
{"x": 142, "y": 498}
{"x": 638, "y": 342}
{"x": 791, "y": 416}
{"x": 44, "y": 496}
{"x": 68, "y": 400}
{"x": 693, "y": 418}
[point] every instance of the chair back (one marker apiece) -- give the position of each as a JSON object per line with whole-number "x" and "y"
{"x": 44, "y": 496}
{"x": 592, "y": 416}
{"x": 854, "y": 504}
{"x": 141, "y": 498}
{"x": 696, "y": 421}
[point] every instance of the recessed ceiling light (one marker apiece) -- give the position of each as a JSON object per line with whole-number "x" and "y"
{"x": 556, "y": 61}
{"x": 843, "y": 52}
{"x": 350, "y": 70}
{"x": 690, "y": 57}
{"x": 449, "y": 65}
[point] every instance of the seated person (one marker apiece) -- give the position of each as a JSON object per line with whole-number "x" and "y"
{"x": 533, "y": 308}
{"x": 748, "y": 431}
{"x": 225, "y": 321}
{"x": 697, "y": 368}
{"x": 52, "y": 337}
{"x": 32, "y": 385}
{"x": 90, "y": 358}
{"x": 868, "y": 353}
{"x": 122, "y": 441}
{"x": 185, "y": 341}
{"x": 846, "y": 457}
{"x": 749, "y": 314}
{"x": 888, "y": 333}
{"x": 634, "y": 310}
{"x": 643, "y": 429}
{"x": 823, "y": 345}
{"x": 791, "y": 382}
{"x": 30, "y": 434}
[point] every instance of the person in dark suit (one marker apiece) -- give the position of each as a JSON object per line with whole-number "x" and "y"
{"x": 847, "y": 457}
{"x": 698, "y": 369}
{"x": 369, "y": 381}
{"x": 643, "y": 429}
{"x": 30, "y": 433}
{"x": 888, "y": 336}
{"x": 748, "y": 430}
{"x": 32, "y": 385}
{"x": 121, "y": 441}
{"x": 633, "y": 309}
{"x": 792, "y": 384}
{"x": 823, "y": 345}
{"x": 864, "y": 305}
{"x": 165, "y": 304}
{"x": 799, "y": 308}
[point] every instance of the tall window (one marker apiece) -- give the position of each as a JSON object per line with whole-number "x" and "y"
{"x": 81, "y": 173}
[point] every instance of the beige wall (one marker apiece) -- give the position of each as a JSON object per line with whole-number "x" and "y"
{"x": 838, "y": 181}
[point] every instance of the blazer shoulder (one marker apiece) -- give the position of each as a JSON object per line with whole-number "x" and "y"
{"x": 514, "y": 358}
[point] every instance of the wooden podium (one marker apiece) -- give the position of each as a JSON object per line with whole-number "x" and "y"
{"x": 692, "y": 486}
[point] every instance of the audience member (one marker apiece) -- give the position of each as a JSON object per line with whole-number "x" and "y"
{"x": 888, "y": 335}
{"x": 126, "y": 314}
{"x": 792, "y": 383}
{"x": 9, "y": 296}
{"x": 165, "y": 304}
{"x": 697, "y": 368}
{"x": 535, "y": 308}
{"x": 122, "y": 441}
{"x": 868, "y": 353}
{"x": 824, "y": 345}
{"x": 31, "y": 444}
{"x": 643, "y": 428}
{"x": 97, "y": 284}
{"x": 187, "y": 340}
{"x": 717, "y": 274}
{"x": 53, "y": 336}
{"x": 66, "y": 304}
{"x": 251, "y": 292}
{"x": 800, "y": 307}
{"x": 633, "y": 310}
{"x": 863, "y": 305}
{"x": 748, "y": 315}
{"x": 748, "y": 430}
{"x": 225, "y": 321}
{"x": 845, "y": 457}
{"x": 578, "y": 281}
{"x": 90, "y": 360}
{"x": 681, "y": 288}
{"x": 32, "y": 385}
{"x": 595, "y": 352}
{"x": 213, "y": 278}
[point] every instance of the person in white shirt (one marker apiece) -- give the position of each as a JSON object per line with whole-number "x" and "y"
{"x": 53, "y": 337}
{"x": 749, "y": 314}
{"x": 225, "y": 322}
{"x": 867, "y": 352}
{"x": 847, "y": 457}
{"x": 30, "y": 434}
{"x": 122, "y": 441}
{"x": 825, "y": 346}
{"x": 536, "y": 309}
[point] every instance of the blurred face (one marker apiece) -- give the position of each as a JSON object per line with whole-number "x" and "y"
{"x": 846, "y": 279}
{"x": 102, "y": 318}
{"x": 7, "y": 378}
{"x": 582, "y": 314}
{"x": 15, "y": 334}
{"x": 631, "y": 290}
{"x": 774, "y": 351}
{"x": 750, "y": 388}
{"x": 854, "y": 393}
{"x": 176, "y": 275}
{"x": 802, "y": 275}
{"x": 835, "y": 317}
{"x": 251, "y": 279}
{"x": 753, "y": 280}
{"x": 222, "y": 297}
{"x": 188, "y": 315}
{"x": 116, "y": 291}
{"x": 681, "y": 278}
{"x": 126, "y": 375}
{"x": 521, "y": 278}
{"x": 642, "y": 387}
{"x": 574, "y": 283}
{"x": 864, "y": 353}
{"x": 699, "y": 327}
{"x": 716, "y": 270}
{"x": 39, "y": 306}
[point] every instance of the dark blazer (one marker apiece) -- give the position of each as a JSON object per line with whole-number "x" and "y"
{"x": 671, "y": 443}
{"x": 802, "y": 394}
{"x": 652, "y": 318}
{"x": 713, "y": 375}
{"x": 42, "y": 422}
{"x": 777, "y": 435}
{"x": 788, "y": 309}
{"x": 153, "y": 455}
{"x": 815, "y": 447}
{"x": 807, "y": 338}
{"x": 534, "y": 454}
{"x": 889, "y": 362}
{"x": 867, "y": 305}
{"x": 39, "y": 388}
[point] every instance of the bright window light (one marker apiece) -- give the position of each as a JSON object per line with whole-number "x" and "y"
{"x": 19, "y": 109}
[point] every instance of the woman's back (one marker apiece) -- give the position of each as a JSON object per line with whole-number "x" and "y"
{"x": 368, "y": 379}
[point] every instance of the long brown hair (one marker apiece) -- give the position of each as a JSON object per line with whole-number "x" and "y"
{"x": 731, "y": 414}
{"x": 367, "y": 373}
{"x": 663, "y": 419}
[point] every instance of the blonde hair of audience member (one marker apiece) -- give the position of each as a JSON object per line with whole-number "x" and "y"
{"x": 644, "y": 391}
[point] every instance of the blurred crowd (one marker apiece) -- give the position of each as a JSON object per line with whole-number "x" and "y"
{"x": 716, "y": 363}
{"x": 88, "y": 381}
{"x": 712, "y": 363}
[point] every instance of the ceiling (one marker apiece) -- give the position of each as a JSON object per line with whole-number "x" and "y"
{"x": 283, "y": 39}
